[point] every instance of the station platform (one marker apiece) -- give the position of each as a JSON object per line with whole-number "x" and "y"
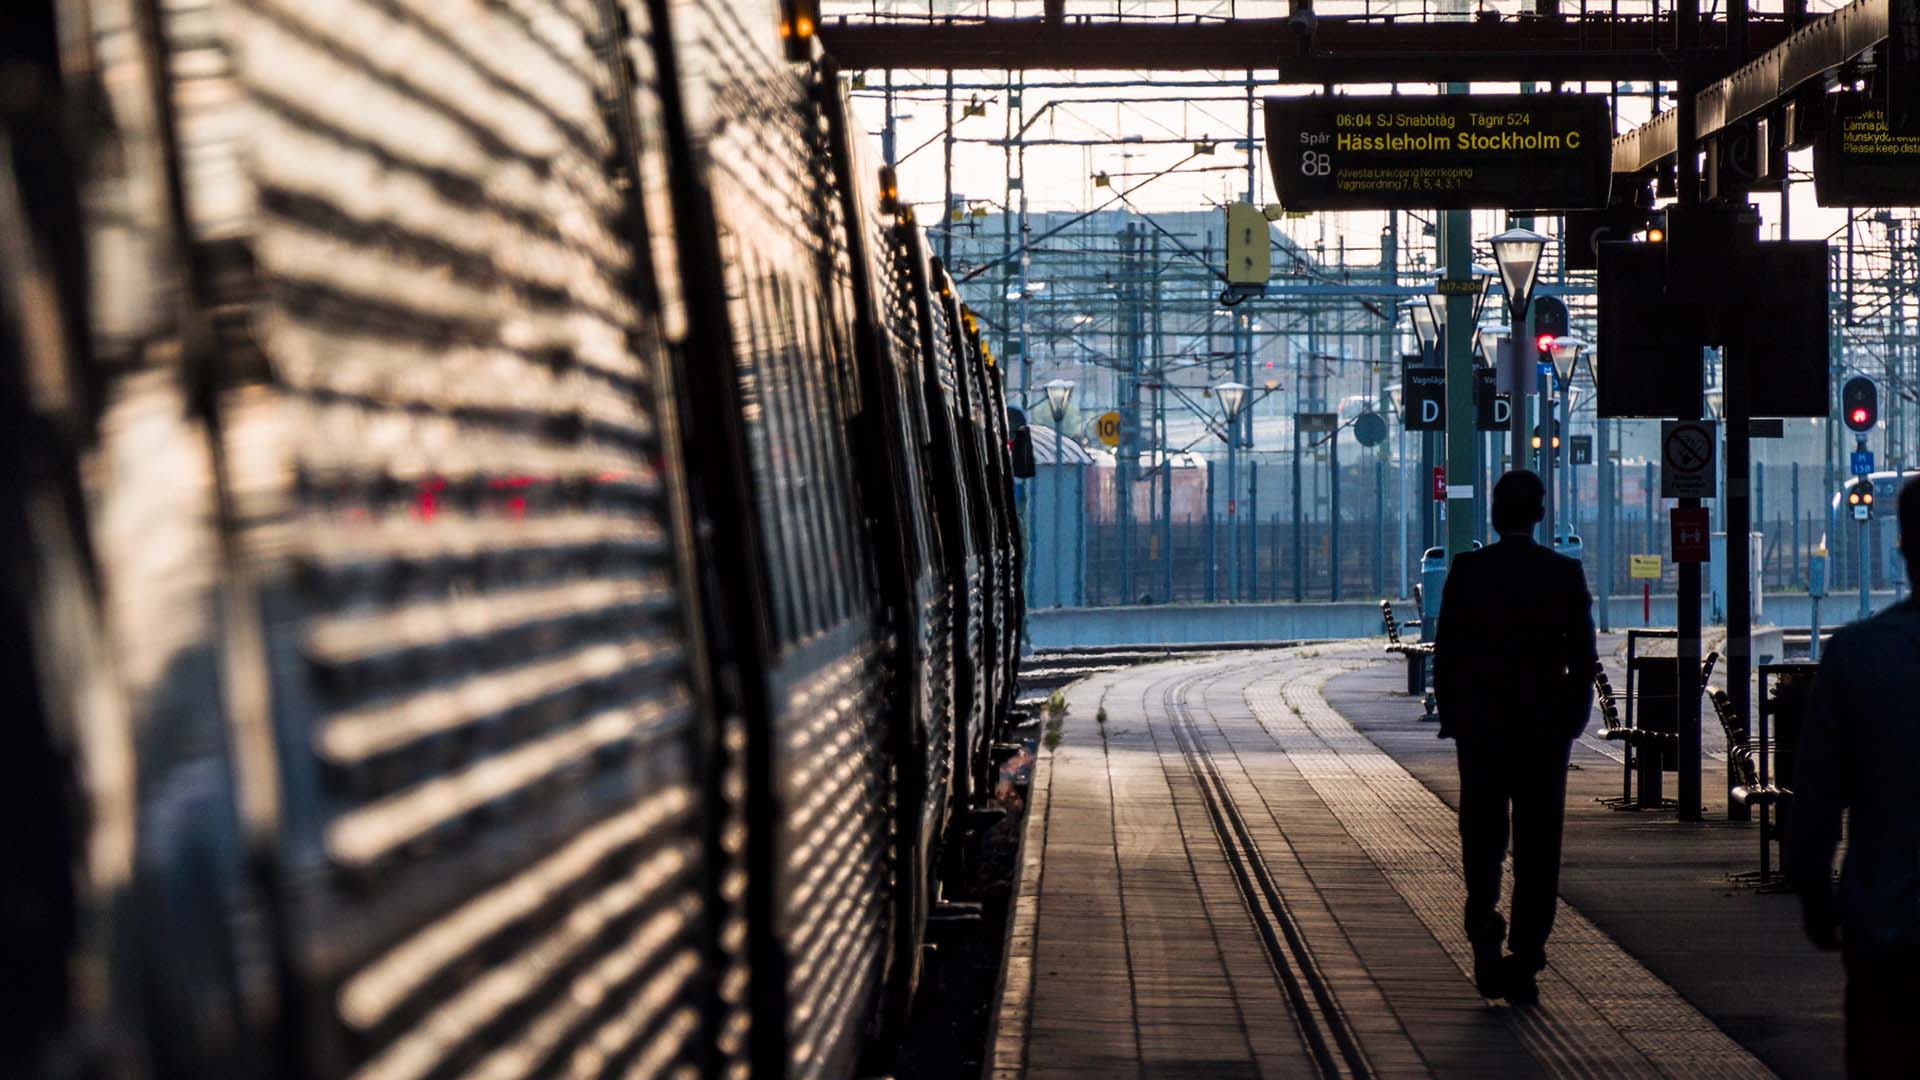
{"x": 1251, "y": 869}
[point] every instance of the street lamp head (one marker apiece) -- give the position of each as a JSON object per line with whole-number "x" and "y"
{"x": 1566, "y": 350}
{"x": 1233, "y": 396}
{"x": 1482, "y": 281}
{"x": 1393, "y": 398}
{"x": 1423, "y": 327}
{"x": 1437, "y": 312}
{"x": 1058, "y": 391}
{"x": 1517, "y": 251}
{"x": 1487, "y": 338}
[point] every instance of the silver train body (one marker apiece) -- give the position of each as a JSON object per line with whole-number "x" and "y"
{"x": 512, "y": 563}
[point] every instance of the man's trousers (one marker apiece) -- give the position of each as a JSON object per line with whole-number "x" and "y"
{"x": 1530, "y": 778}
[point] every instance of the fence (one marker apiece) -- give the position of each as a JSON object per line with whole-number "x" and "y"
{"x": 1258, "y": 553}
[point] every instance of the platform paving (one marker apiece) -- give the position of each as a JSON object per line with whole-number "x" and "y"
{"x": 1251, "y": 869}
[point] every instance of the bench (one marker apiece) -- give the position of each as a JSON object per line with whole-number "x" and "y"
{"x": 1416, "y": 653}
{"x": 1613, "y": 728}
{"x": 1749, "y": 791}
{"x": 1394, "y": 643}
{"x": 1638, "y": 741}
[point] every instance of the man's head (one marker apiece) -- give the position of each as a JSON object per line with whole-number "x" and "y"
{"x": 1910, "y": 529}
{"x": 1519, "y": 502}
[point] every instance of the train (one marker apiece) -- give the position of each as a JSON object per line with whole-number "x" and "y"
{"x": 513, "y": 557}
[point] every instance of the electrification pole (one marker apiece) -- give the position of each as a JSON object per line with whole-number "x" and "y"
{"x": 1456, "y": 246}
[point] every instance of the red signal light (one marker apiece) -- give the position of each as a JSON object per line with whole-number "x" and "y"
{"x": 1858, "y": 417}
{"x": 1544, "y": 342}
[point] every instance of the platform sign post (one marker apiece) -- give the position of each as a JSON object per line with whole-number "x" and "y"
{"x": 1646, "y": 570}
{"x": 1816, "y": 592}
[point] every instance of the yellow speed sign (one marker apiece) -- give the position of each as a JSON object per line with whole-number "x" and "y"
{"x": 1108, "y": 428}
{"x": 1643, "y": 567}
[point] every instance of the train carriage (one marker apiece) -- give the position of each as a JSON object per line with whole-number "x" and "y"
{"x": 983, "y": 514}
{"x": 955, "y": 483}
{"x": 898, "y": 481}
{"x": 388, "y": 525}
{"x": 515, "y": 598}
{"x": 772, "y": 391}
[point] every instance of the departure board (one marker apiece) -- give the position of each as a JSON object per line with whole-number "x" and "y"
{"x": 1517, "y": 151}
{"x": 1859, "y": 162}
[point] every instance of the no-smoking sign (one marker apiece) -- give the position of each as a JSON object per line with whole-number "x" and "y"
{"x": 1686, "y": 459}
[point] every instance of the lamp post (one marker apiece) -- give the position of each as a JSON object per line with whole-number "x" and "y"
{"x": 1059, "y": 391}
{"x": 1603, "y": 499}
{"x": 1426, "y": 330}
{"x": 1517, "y": 253}
{"x": 1233, "y": 396}
{"x": 1565, "y": 351}
{"x": 1396, "y": 395}
{"x": 1486, "y": 343}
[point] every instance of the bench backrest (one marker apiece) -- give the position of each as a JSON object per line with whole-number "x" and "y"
{"x": 1392, "y": 623}
{"x": 1603, "y": 692}
{"x": 1739, "y": 749}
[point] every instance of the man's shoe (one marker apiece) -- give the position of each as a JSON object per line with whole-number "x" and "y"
{"x": 1489, "y": 971}
{"x": 1517, "y": 975}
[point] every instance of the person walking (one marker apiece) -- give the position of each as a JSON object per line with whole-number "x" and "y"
{"x": 1859, "y": 751}
{"x": 1513, "y": 659}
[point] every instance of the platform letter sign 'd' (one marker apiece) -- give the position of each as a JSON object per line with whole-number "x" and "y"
{"x": 1493, "y": 411}
{"x": 1686, "y": 459}
{"x": 1520, "y": 152}
{"x": 1426, "y": 398}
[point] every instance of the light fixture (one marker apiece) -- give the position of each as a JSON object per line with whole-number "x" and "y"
{"x": 1393, "y": 398}
{"x": 1483, "y": 281}
{"x": 1517, "y": 251}
{"x": 1422, "y": 318}
{"x": 1272, "y": 385}
{"x": 1437, "y": 311}
{"x": 1716, "y": 403}
{"x": 1487, "y": 338}
{"x": 1233, "y": 395}
{"x": 1058, "y": 391}
{"x": 1566, "y": 350}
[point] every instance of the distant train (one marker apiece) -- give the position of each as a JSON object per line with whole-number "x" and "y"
{"x": 512, "y": 559}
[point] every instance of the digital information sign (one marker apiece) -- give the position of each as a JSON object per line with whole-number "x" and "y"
{"x": 1515, "y": 151}
{"x": 1859, "y": 162}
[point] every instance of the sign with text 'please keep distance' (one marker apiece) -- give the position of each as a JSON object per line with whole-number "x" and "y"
{"x": 1457, "y": 152}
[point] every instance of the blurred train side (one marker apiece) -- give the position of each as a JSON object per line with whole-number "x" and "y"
{"x": 515, "y": 543}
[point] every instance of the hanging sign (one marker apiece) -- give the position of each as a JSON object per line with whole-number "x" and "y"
{"x": 1857, "y": 161}
{"x": 1452, "y": 152}
{"x": 1493, "y": 411}
{"x": 1424, "y": 398}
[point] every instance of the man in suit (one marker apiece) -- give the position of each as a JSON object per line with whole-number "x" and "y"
{"x": 1513, "y": 676}
{"x": 1860, "y": 753}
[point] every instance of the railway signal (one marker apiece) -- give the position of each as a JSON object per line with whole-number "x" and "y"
{"x": 1549, "y": 322}
{"x": 1860, "y": 498}
{"x": 1860, "y": 403}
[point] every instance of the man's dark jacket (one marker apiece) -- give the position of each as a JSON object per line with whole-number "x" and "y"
{"x": 1859, "y": 750}
{"x": 1514, "y": 653}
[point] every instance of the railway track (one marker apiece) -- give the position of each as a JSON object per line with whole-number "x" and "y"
{"x": 1323, "y": 1026}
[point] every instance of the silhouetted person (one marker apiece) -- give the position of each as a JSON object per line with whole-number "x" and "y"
{"x": 1513, "y": 676}
{"x": 1860, "y": 752}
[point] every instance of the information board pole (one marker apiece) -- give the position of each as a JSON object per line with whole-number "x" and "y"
{"x": 1687, "y": 618}
{"x": 1463, "y": 437}
{"x": 1739, "y": 551}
